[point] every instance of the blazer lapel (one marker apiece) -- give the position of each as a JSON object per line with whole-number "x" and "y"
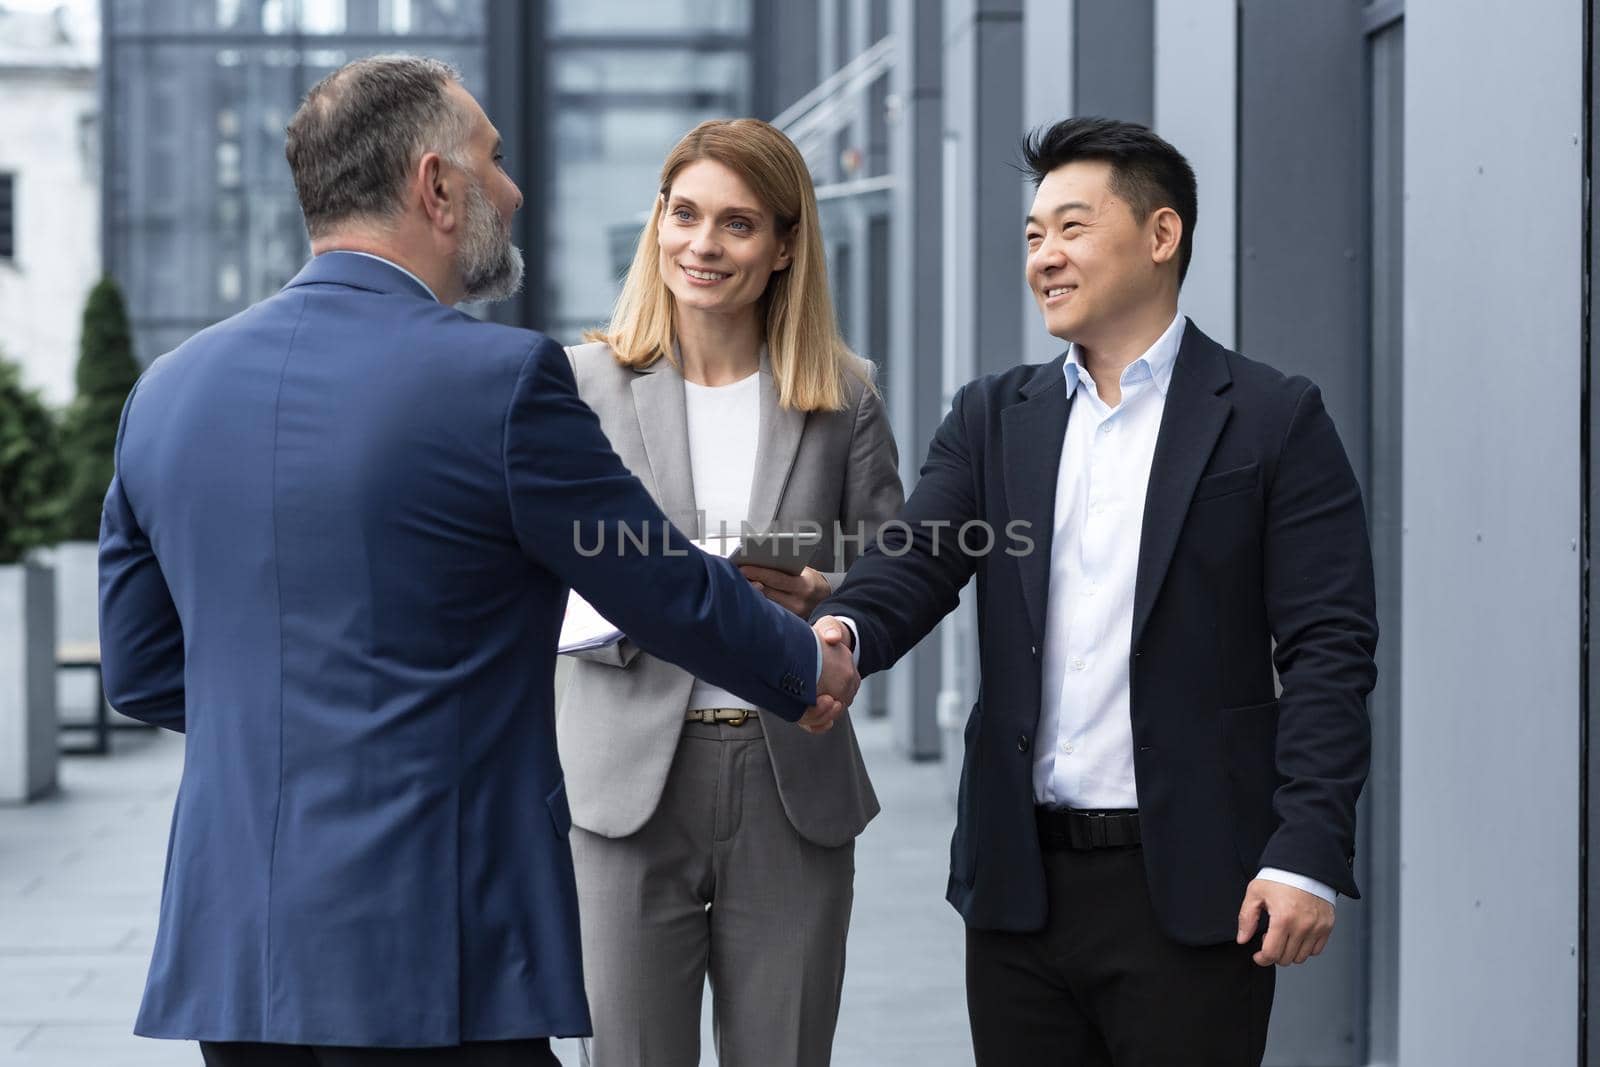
{"x": 777, "y": 445}
{"x": 664, "y": 425}
{"x": 1196, "y": 410}
{"x": 1032, "y": 434}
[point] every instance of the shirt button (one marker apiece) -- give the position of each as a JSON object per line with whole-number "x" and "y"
{"x": 1066, "y": 746}
{"x": 1105, "y": 428}
{"x": 1078, "y": 665}
{"x": 1088, "y": 590}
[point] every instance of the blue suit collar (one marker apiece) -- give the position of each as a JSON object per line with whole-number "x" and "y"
{"x": 359, "y": 272}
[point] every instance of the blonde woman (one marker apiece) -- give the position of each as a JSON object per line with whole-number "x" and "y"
{"x": 715, "y": 841}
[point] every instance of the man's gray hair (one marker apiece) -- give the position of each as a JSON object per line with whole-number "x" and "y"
{"x": 360, "y": 130}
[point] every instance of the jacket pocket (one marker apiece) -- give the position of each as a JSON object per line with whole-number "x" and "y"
{"x": 1250, "y": 754}
{"x": 1237, "y": 480}
{"x": 560, "y": 813}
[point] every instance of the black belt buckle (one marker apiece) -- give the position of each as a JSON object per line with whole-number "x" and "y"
{"x": 1083, "y": 831}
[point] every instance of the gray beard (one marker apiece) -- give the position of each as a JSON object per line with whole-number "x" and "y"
{"x": 491, "y": 266}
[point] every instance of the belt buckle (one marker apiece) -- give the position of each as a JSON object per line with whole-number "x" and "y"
{"x": 739, "y": 719}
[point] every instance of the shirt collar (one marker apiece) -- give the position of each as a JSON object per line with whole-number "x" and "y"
{"x": 397, "y": 267}
{"x": 1156, "y": 364}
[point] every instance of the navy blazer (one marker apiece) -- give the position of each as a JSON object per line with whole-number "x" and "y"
{"x": 1253, "y": 533}
{"x": 336, "y": 555}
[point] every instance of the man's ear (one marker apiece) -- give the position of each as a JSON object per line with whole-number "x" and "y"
{"x": 439, "y": 199}
{"x": 1166, "y": 235}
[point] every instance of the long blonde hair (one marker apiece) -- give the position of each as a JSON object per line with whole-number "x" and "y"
{"x": 809, "y": 358}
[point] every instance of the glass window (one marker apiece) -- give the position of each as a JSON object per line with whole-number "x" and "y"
{"x": 322, "y": 16}
{"x": 8, "y": 236}
{"x": 249, "y": 18}
{"x": 202, "y": 215}
{"x": 646, "y": 16}
{"x": 615, "y": 112}
{"x": 659, "y": 70}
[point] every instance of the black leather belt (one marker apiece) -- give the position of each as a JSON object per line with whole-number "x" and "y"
{"x": 1069, "y": 828}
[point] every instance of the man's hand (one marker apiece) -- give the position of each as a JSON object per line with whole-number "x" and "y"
{"x": 839, "y": 682}
{"x": 1299, "y": 926}
{"x": 799, "y": 593}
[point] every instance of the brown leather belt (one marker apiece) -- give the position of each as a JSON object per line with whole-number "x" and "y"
{"x": 725, "y": 716}
{"x": 1070, "y": 828}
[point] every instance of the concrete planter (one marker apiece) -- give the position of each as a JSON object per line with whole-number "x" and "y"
{"x": 28, "y": 727}
{"x": 77, "y": 565}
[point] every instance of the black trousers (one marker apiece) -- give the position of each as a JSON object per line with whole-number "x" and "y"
{"x": 1101, "y": 985}
{"x": 531, "y": 1053}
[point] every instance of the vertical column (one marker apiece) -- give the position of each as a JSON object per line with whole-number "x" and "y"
{"x": 1490, "y": 683}
{"x": 517, "y": 91}
{"x": 1378, "y": 851}
{"x": 1302, "y": 306}
{"x": 1049, "y": 72}
{"x": 1196, "y": 98}
{"x": 1113, "y": 71}
{"x": 985, "y": 202}
{"x": 857, "y": 142}
{"x": 1589, "y": 969}
{"x": 913, "y": 386}
{"x": 785, "y": 62}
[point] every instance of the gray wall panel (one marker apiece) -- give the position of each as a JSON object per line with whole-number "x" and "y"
{"x": 1489, "y": 739}
{"x": 1302, "y": 218}
{"x": 1048, "y": 62}
{"x": 1195, "y": 96}
{"x": 1378, "y": 845}
{"x": 985, "y": 203}
{"x": 913, "y": 388}
{"x": 1590, "y": 971}
{"x": 1302, "y": 178}
{"x": 1114, "y": 69}
{"x": 788, "y": 60}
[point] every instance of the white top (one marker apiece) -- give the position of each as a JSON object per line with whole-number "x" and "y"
{"x": 1084, "y": 758}
{"x": 724, "y": 423}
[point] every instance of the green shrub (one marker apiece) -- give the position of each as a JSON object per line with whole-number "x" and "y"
{"x": 31, "y": 472}
{"x": 106, "y": 373}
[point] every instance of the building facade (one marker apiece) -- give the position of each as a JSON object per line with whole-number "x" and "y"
{"x": 49, "y": 191}
{"x": 1395, "y": 199}
{"x": 200, "y": 212}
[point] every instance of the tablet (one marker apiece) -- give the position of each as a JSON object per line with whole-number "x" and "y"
{"x": 787, "y": 552}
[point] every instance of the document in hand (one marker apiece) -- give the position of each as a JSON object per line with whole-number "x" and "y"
{"x": 584, "y": 629}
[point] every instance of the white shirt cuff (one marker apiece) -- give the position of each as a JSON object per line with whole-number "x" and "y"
{"x": 818, "y": 640}
{"x": 855, "y": 639}
{"x": 1300, "y": 882}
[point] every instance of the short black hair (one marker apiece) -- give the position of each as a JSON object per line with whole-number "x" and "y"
{"x": 1146, "y": 171}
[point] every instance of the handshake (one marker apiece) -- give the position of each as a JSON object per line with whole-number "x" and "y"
{"x": 839, "y": 682}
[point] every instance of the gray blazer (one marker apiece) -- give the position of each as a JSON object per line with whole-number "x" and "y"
{"x": 620, "y": 718}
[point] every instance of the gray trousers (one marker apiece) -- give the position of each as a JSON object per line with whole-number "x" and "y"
{"x": 717, "y": 884}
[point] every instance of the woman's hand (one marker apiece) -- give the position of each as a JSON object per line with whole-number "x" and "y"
{"x": 799, "y": 593}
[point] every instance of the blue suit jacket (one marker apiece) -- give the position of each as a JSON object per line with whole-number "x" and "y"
{"x": 336, "y": 555}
